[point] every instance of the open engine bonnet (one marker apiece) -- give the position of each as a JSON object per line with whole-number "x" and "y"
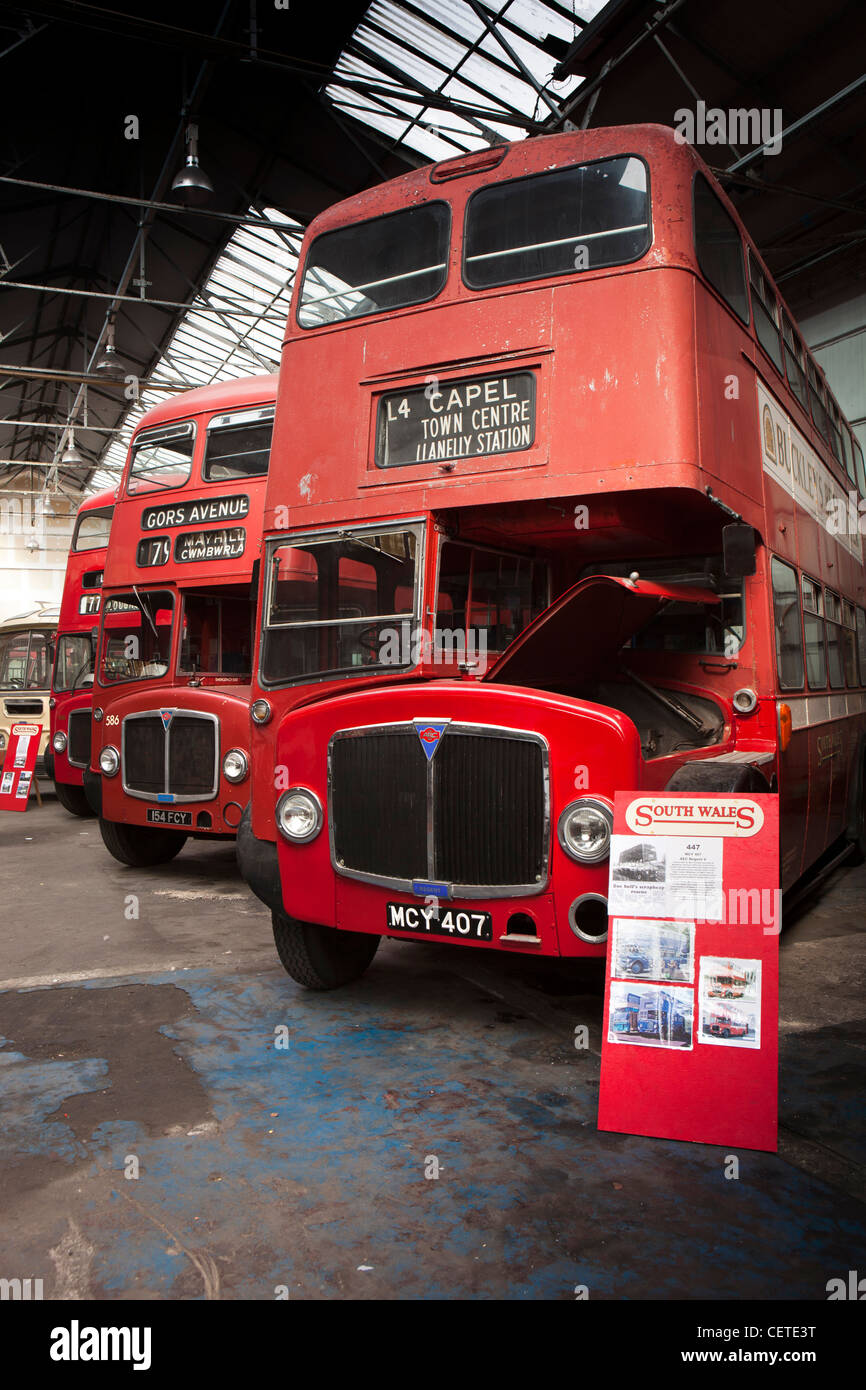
{"x": 572, "y": 648}
{"x": 585, "y": 627}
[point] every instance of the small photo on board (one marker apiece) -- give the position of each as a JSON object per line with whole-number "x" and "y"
{"x": 650, "y": 1015}
{"x": 729, "y": 1002}
{"x": 639, "y": 861}
{"x": 644, "y": 948}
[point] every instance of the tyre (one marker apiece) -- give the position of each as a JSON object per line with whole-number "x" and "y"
{"x": 72, "y": 799}
{"x": 726, "y": 1033}
{"x": 139, "y": 846}
{"x": 321, "y": 957}
{"x": 636, "y": 967}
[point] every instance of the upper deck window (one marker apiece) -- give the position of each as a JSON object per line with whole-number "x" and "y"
{"x": 794, "y": 362}
{"x": 92, "y": 530}
{"x": 819, "y": 409}
{"x": 556, "y": 223}
{"x": 719, "y": 249}
{"x": 386, "y": 263}
{"x": 238, "y": 445}
{"x": 766, "y": 313}
{"x": 161, "y": 458}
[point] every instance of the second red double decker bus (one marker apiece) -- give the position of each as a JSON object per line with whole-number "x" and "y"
{"x": 563, "y": 518}
{"x": 75, "y": 651}
{"x": 170, "y": 752}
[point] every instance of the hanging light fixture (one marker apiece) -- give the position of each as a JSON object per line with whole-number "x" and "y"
{"x": 72, "y": 456}
{"x": 108, "y": 363}
{"x": 191, "y": 183}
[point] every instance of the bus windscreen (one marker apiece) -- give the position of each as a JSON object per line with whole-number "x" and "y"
{"x": 340, "y": 603}
{"x": 136, "y": 636}
{"x": 582, "y": 218}
{"x": 369, "y": 267}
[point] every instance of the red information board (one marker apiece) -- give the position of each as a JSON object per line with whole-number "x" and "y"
{"x": 18, "y": 766}
{"x": 691, "y": 1007}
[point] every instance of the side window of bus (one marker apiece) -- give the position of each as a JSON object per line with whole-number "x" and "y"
{"x": 835, "y": 432}
{"x": 858, "y": 464}
{"x": 794, "y": 362}
{"x": 833, "y": 618}
{"x": 719, "y": 249}
{"x": 813, "y": 627}
{"x": 849, "y": 643}
{"x": 786, "y": 609}
{"x": 861, "y": 643}
{"x": 816, "y": 396}
{"x": 766, "y": 314}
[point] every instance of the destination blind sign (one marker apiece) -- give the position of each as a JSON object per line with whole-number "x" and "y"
{"x": 456, "y": 420}
{"x": 227, "y": 544}
{"x": 195, "y": 513}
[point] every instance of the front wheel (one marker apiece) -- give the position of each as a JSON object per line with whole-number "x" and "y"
{"x": 72, "y": 799}
{"x": 321, "y": 957}
{"x": 139, "y": 846}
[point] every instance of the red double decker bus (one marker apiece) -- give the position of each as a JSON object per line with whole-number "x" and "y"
{"x": 75, "y": 650}
{"x": 547, "y": 401}
{"x": 171, "y": 699}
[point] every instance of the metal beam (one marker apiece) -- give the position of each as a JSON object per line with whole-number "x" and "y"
{"x": 152, "y": 204}
{"x": 125, "y": 298}
{"x": 803, "y": 121}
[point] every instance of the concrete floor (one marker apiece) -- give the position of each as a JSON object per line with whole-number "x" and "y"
{"x": 303, "y": 1169}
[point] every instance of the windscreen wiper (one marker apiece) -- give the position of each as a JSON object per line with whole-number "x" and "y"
{"x": 146, "y": 613}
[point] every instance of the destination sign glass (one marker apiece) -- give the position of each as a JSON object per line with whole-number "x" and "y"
{"x": 451, "y": 420}
{"x": 227, "y": 544}
{"x": 153, "y": 550}
{"x": 196, "y": 512}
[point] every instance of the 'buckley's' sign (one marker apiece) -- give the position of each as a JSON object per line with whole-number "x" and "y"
{"x": 196, "y": 513}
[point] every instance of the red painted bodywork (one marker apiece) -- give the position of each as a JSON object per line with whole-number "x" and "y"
{"x": 72, "y": 620}
{"x": 226, "y": 697}
{"x": 636, "y": 419}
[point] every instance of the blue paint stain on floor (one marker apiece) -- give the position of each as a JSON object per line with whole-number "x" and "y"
{"x": 314, "y": 1163}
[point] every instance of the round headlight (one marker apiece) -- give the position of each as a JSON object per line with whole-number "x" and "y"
{"x": 52, "y": 702}
{"x": 58, "y": 743}
{"x": 260, "y": 711}
{"x": 299, "y": 815}
{"x": 235, "y": 765}
{"x": 109, "y": 760}
{"x": 97, "y": 714}
{"x": 584, "y": 830}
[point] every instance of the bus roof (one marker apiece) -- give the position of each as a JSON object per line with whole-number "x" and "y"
{"x": 509, "y": 161}
{"x": 97, "y": 500}
{"x": 47, "y": 615}
{"x": 202, "y": 400}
